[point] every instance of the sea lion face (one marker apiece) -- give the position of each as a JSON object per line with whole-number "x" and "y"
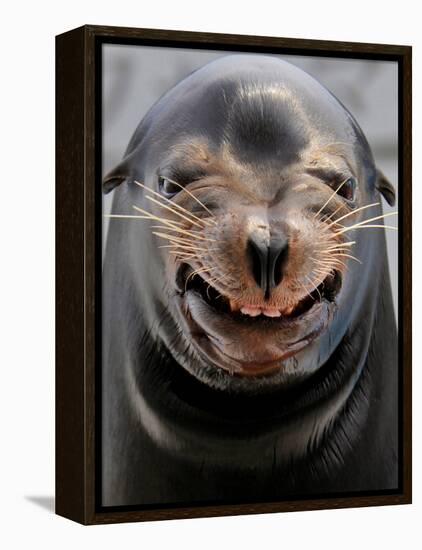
{"x": 252, "y": 174}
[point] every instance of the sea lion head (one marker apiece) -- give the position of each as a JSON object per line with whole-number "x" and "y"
{"x": 248, "y": 181}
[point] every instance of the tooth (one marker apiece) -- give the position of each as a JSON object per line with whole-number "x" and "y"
{"x": 251, "y": 311}
{"x": 234, "y": 306}
{"x": 272, "y": 312}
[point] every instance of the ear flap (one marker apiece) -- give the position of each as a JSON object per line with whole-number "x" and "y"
{"x": 385, "y": 188}
{"x": 115, "y": 177}
{"x": 111, "y": 181}
{"x": 118, "y": 175}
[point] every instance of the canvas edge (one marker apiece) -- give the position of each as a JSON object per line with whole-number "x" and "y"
{"x": 76, "y": 183}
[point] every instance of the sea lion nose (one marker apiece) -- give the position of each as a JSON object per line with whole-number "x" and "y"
{"x": 267, "y": 260}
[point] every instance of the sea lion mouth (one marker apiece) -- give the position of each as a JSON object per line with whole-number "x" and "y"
{"x": 224, "y": 305}
{"x": 252, "y": 341}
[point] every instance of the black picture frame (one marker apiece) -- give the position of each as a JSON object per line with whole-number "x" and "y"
{"x": 78, "y": 265}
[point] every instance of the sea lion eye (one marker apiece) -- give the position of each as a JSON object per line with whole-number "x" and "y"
{"x": 168, "y": 187}
{"x": 348, "y": 189}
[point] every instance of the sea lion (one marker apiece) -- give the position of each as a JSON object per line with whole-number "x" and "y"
{"x": 249, "y": 339}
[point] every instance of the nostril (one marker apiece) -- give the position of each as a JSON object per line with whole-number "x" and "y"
{"x": 277, "y": 269}
{"x": 257, "y": 254}
{"x": 277, "y": 259}
{"x": 267, "y": 262}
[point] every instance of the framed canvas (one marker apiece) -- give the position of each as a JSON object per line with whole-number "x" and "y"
{"x": 233, "y": 274}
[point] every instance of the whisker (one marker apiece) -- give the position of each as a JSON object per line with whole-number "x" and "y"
{"x": 196, "y": 272}
{"x": 176, "y": 212}
{"x": 341, "y": 245}
{"x": 321, "y": 271}
{"x": 201, "y": 270}
{"x": 194, "y": 198}
{"x": 322, "y": 274}
{"x": 353, "y": 212}
{"x": 336, "y": 253}
{"x": 173, "y": 238}
{"x": 194, "y": 234}
{"x": 307, "y": 291}
{"x": 167, "y": 228}
{"x": 178, "y": 206}
{"x": 212, "y": 281}
{"x": 349, "y": 256}
{"x": 364, "y": 222}
{"x": 332, "y": 262}
{"x": 330, "y": 198}
{"x": 149, "y": 216}
{"x": 332, "y": 253}
{"x": 314, "y": 286}
{"x": 181, "y": 246}
{"x": 323, "y": 265}
{"x": 184, "y": 255}
{"x": 133, "y": 216}
{"x": 334, "y": 213}
{"x": 175, "y": 205}
{"x": 325, "y": 260}
{"x": 380, "y": 217}
{"x": 200, "y": 253}
{"x": 366, "y": 227}
{"x": 222, "y": 277}
{"x": 187, "y": 247}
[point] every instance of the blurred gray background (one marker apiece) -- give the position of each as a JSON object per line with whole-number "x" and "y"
{"x": 134, "y": 77}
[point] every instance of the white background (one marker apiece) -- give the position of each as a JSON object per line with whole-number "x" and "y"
{"x": 27, "y": 273}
